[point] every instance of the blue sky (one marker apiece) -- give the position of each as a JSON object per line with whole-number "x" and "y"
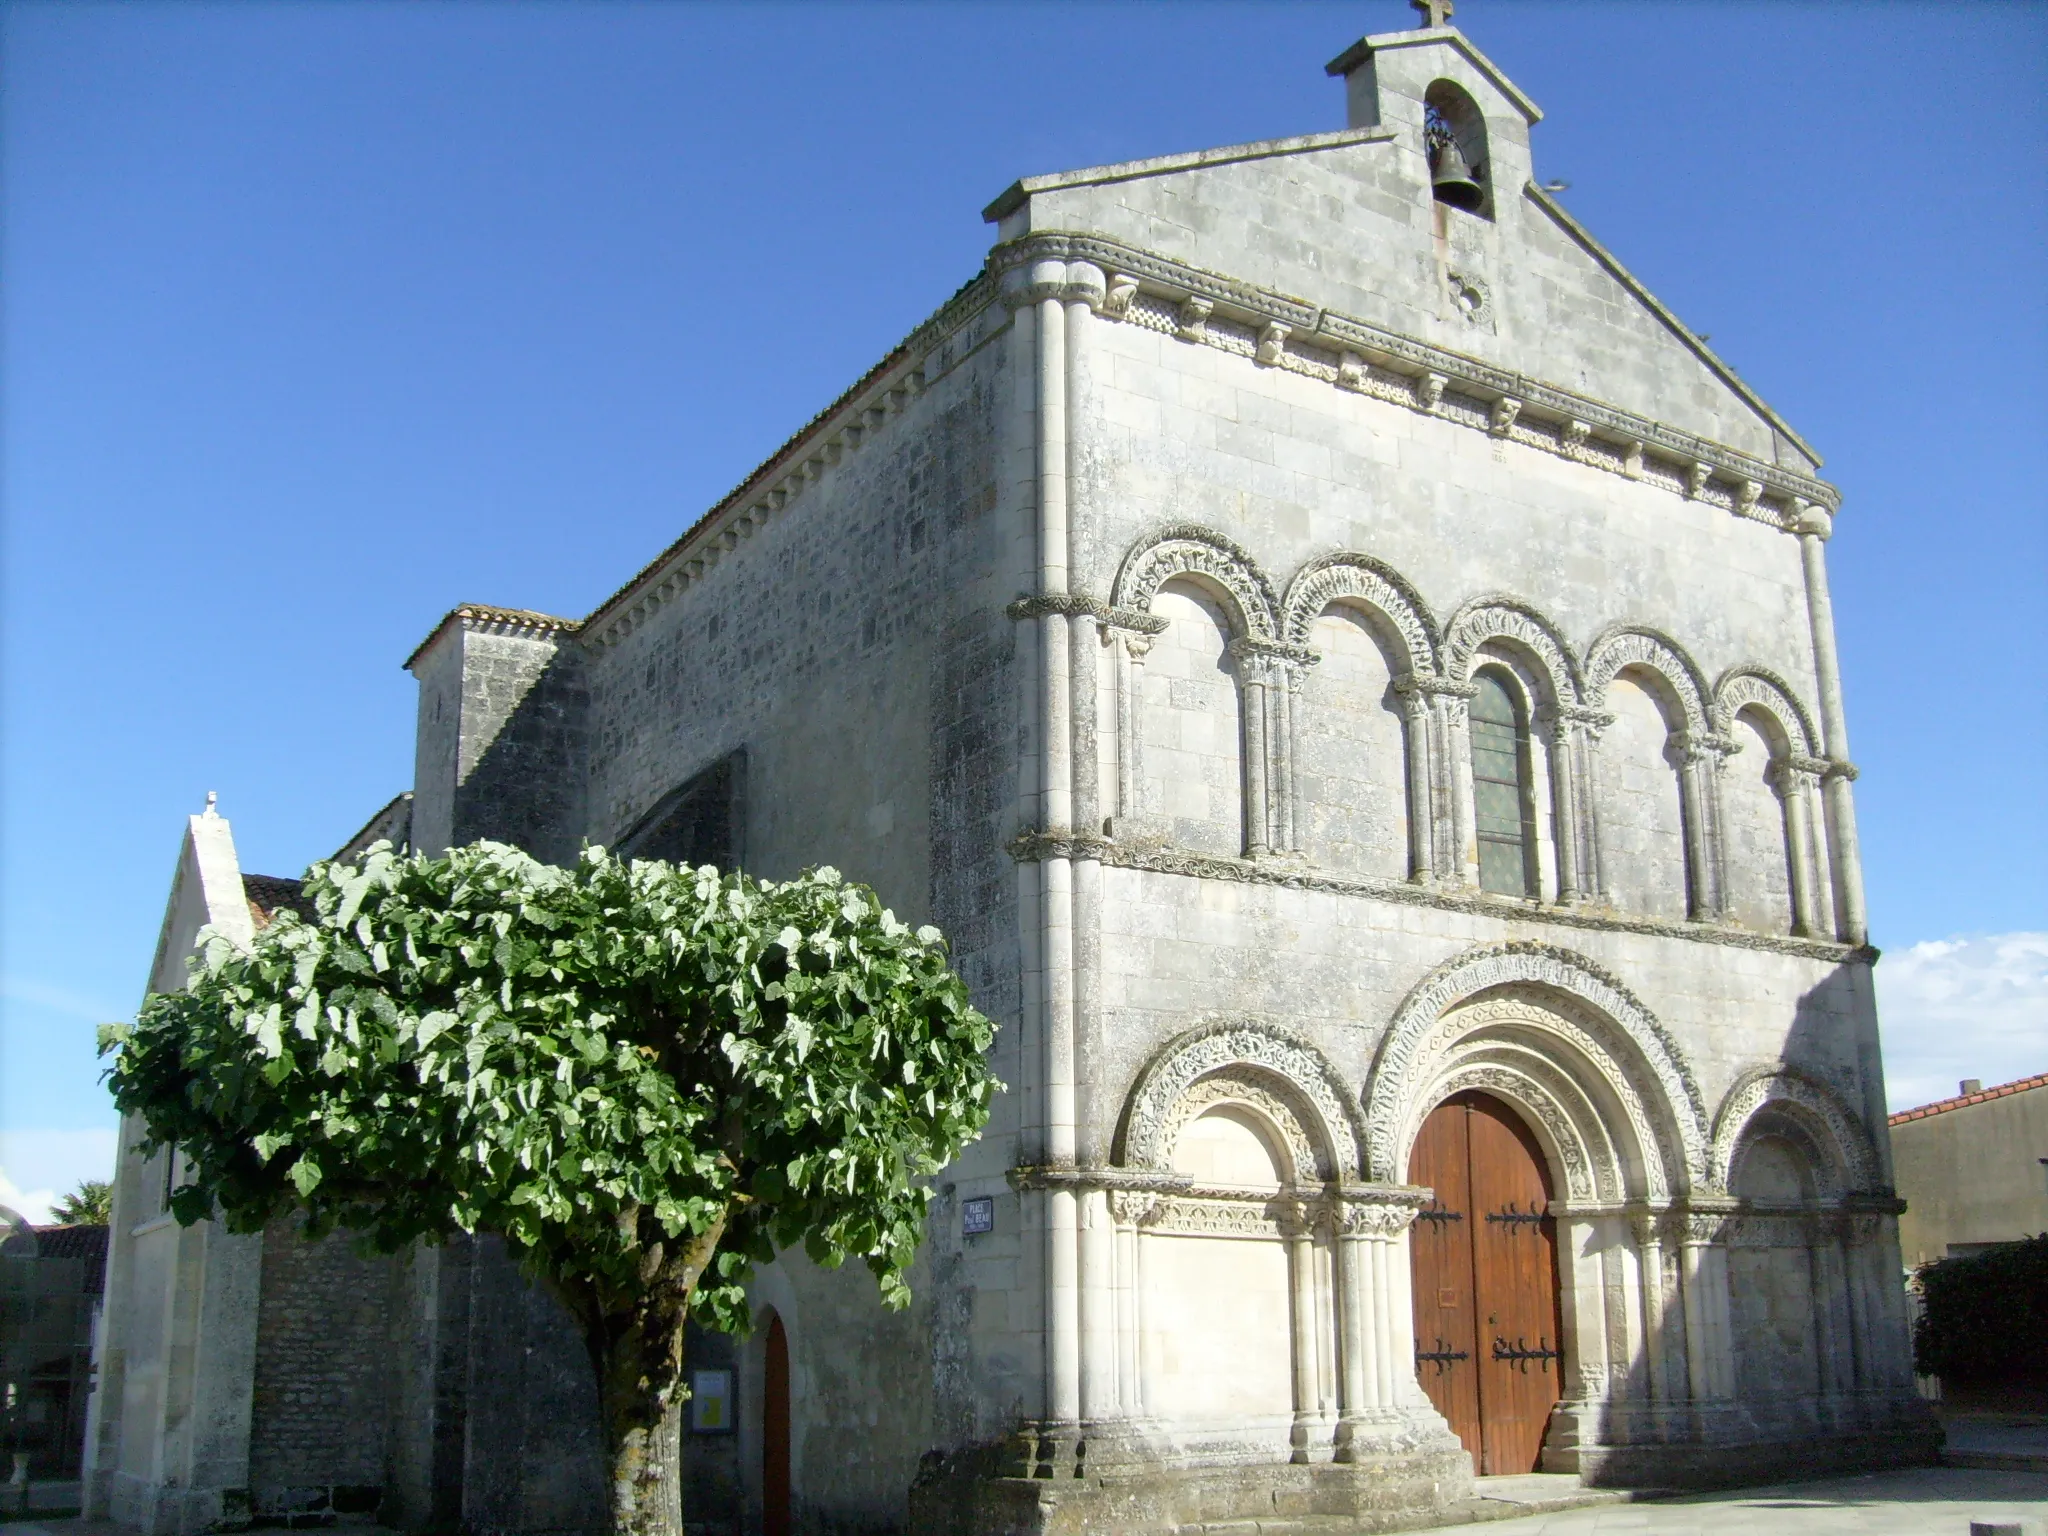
{"x": 319, "y": 319}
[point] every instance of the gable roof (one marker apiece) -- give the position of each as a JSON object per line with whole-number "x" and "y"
{"x": 1964, "y": 1101}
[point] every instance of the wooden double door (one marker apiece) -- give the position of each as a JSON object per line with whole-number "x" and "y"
{"x": 1488, "y": 1329}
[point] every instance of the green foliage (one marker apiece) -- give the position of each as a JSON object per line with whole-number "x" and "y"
{"x": 1984, "y": 1317}
{"x": 91, "y": 1204}
{"x": 596, "y": 1062}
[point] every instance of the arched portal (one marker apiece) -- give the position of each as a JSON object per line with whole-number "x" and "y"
{"x": 1489, "y": 1327}
{"x": 775, "y": 1433}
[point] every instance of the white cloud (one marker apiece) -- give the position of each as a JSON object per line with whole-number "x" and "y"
{"x": 39, "y": 1167}
{"x": 1974, "y": 1006}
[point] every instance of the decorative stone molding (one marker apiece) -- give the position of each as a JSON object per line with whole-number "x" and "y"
{"x": 1542, "y": 968}
{"x": 483, "y": 619}
{"x": 1157, "y": 859}
{"x": 1500, "y": 421}
{"x": 1130, "y": 621}
{"x": 1066, "y": 604}
{"x": 1818, "y": 1108}
{"x": 1185, "y": 550}
{"x": 1754, "y": 687}
{"x": 1400, "y": 369}
{"x": 1362, "y": 579}
{"x": 1252, "y": 1053}
{"x": 1583, "y": 1180}
{"x": 1634, "y": 645}
{"x": 1497, "y": 617}
{"x": 1183, "y": 1216}
{"x": 1307, "y": 1161}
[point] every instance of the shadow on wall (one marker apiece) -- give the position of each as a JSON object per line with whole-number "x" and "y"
{"x": 529, "y": 785}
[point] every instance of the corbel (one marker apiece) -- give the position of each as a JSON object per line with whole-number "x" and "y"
{"x": 1502, "y": 420}
{"x": 1194, "y": 317}
{"x": 1273, "y": 343}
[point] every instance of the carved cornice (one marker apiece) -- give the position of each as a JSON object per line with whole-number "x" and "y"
{"x": 483, "y": 619}
{"x": 1294, "y": 875}
{"x": 1355, "y": 354}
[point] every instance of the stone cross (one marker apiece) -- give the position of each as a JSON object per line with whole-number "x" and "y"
{"x": 1435, "y": 13}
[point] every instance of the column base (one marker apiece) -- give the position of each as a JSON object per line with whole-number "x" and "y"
{"x": 1730, "y": 1442}
{"x": 1136, "y": 1479}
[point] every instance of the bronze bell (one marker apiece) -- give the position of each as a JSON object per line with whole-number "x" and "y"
{"x": 1452, "y": 180}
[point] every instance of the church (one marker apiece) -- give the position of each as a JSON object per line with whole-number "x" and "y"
{"x": 1353, "y": 677}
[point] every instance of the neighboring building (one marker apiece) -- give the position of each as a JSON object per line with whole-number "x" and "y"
{"x": 1973, "y": 1170}
{"x": 52, "y": 1280}
{"x": 1353, "y": 677}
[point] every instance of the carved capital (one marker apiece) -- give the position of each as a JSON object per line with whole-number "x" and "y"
{"x": 1812, "y": 520}
{"x": 1430, "y": 686}
{"x": 1133, "y": 1207}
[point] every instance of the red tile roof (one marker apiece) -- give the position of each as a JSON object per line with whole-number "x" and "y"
{"x": 269, "y": 893}
{"x": 1942, "y": 1106}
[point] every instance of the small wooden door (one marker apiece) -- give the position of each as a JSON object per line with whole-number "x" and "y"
{"x": 775, "y": 1433}
{"x": 1488, "y": 1330}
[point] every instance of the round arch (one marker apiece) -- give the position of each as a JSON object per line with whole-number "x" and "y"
{"x": 1285, "y": 1080}
{"x": 1511, "y": 624}
{"x": 1635, "y": 646}
{"x": 1612, "y": 1096}
{"x": 1828, "y": 1121}
{"x": 1185, "y": 550}
{"x": 1752, "y": 687}
{"x": 1375, "y": 585}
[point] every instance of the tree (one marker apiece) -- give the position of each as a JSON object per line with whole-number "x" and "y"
{"x": 645, "y": 1078}
{"x": 92, "y": 1203}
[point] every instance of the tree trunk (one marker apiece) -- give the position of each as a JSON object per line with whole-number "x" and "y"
{"x": 639, "y": 1359}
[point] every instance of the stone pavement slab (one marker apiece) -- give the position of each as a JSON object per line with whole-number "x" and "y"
{"x": 1997, "y": 1442}
{"x": 1921, "y": 1501}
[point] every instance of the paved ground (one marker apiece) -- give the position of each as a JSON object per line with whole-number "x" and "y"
{"x": 1937, "y": 1501}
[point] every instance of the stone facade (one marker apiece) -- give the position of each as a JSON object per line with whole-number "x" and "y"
{"x": 1141, "y": 621}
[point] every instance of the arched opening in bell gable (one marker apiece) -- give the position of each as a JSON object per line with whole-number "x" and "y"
{"x": 1454, "y": 136}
